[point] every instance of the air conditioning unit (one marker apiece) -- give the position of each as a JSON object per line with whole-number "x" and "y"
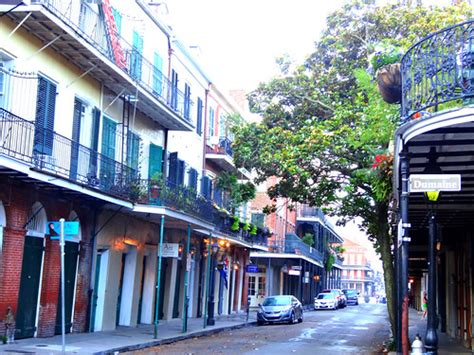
{"x": 213, "y": 140}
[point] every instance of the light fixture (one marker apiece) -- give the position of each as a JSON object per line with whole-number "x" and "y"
{"x": 432, "y": 196}
{"x": 221, "y": 242}
{"x": 227, "y": 244}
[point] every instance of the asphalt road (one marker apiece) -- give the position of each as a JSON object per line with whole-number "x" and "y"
{"x": 353, "y": 330}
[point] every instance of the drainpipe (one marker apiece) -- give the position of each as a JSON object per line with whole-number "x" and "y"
{"x": 405, "y": 239}
{"x": 431, "y": 337}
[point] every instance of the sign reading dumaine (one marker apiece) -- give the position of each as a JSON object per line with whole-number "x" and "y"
{"x": 434, "y": 182}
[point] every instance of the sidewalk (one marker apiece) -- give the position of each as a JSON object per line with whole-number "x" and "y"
{"x": 126, "y": 338}
{"x": 446, "y": 344}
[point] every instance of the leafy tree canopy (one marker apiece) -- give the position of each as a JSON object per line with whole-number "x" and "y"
{"x": 325, "y": 130}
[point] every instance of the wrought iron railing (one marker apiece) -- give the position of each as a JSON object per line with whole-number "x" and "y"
{"x": 295, "y": 245}
{"x": 224, "y": 224}
{"x": 177, "y": 197}
{"x": 52, "y": 153}
{"x": 90, "y": 25}
{"x": 438, "y": 72}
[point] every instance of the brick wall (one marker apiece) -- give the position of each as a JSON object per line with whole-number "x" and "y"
{"x": 17, "y": 200}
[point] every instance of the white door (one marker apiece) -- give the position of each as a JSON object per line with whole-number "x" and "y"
{"x": 257, "y": 290}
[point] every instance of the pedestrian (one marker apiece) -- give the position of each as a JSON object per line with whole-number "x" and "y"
{"x": 424, "y": 306}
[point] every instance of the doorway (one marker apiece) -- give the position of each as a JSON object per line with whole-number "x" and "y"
{"x": 257, "y": 289}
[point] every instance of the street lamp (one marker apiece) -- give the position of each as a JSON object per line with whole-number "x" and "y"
{"x": 211, "y": 300}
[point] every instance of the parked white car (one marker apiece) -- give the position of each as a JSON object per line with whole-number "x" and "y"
{"x": 326, "y": 301}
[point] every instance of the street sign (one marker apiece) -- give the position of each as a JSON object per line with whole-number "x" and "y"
{"x": 252, "y": 268}
{"x": 294, "y": 272}
{"x": 434, "y": 182}
{"x": 71, "y": 230}
{"x": 170, "y": 250}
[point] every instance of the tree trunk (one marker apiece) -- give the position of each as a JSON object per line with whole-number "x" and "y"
{"x": 384, "y": 242}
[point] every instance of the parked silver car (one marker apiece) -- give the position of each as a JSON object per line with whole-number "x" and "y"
{"x": 278, "y": 309}
{"x": 327, "y": 300}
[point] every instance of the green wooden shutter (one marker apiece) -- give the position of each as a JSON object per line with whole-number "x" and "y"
{"x": 76, "y": 133}
{"x": 107, "y": 170}
{"x": 155, "y": 161}
{"x": 199, "y": 116}
{"x": 173, "y": 169}
{"x": 136, "y": 60}
{"x": 157, "y": 74}
{"x": 45, "y": 107}
{"x": 118, "y": 20}
{"x": 133, "y": 145}
{"x": 94, "y": 145}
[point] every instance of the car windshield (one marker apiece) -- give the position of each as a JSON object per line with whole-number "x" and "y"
{"x": 350, "y": 293}
{"x": 277, "y": 301}
{"x": 323, "y": 296}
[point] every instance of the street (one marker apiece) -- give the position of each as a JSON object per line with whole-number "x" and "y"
{"x": 353, "y": 330}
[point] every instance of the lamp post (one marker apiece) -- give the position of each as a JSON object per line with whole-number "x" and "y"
{"x": 211, "y": 298}
{"x": 431, "y": 337}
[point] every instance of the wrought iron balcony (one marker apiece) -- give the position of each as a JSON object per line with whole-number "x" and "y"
{"x": 104, "y": 58}
{"x": 224, "y": 224}
{"x": 438, "y": 72}
{"x": 176, "y": 197}
{"x": 51, "y": 153}
{"x": 294, "y": 245}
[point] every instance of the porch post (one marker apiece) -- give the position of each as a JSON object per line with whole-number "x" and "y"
{"x": 158, "y": 278}
{"x": 186, "y": 281}
{"x": 431, "y": 337}
{"x": 405, "y": 239}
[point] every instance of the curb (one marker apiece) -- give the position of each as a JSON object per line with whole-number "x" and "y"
{"x": 174, "y": 339}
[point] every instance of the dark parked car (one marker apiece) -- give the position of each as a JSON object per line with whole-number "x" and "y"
{"x": 341, "y": 298}
{"x": 352, "y": 296}
{"x": 278, "y": 309}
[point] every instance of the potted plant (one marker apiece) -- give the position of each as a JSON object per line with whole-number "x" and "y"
{"x": 385, "y": 63}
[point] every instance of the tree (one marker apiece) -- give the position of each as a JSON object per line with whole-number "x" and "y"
{"x": 325, "y": 130}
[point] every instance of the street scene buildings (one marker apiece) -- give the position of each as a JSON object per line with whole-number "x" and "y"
{"x": 106, "y": 119}
{"x": 115, "y": 140}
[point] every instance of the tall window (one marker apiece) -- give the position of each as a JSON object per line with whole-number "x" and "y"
{"x": 157, "y": 74}
{"x": 174, "y": 89}
{"x": 118, "y": 20}
{"x": 136, "y": 59}
{"x": 211, "y": 126}
{"x": 45, "y": 107}
{"x": 199, "y": 116}
{"x": 187, "y": 101}
{"x": 258, "y": 219}
{"x": 133, "y": 145}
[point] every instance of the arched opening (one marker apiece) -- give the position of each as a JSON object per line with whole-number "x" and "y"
{"x": 31, "y": 271}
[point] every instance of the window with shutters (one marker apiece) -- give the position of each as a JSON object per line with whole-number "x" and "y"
{"x": 187, "y": 101}
{"x": 211, "y": 126}
{"x": 78, "y": 117}
{"x": 192, "y": 179}
{"x": 45, "y": 107}
{"x": 258, "y": 219}
{"x": 118, "y": 20}
{"x": 174, "y": 89}
{"x": 92, "y": 176}
{"x": 133, "y": 149}
{"x": 157, "y": 74}
{"x": 155, "y": 161}
{"x": 199, "y": 116}
{"x": 136, "y": 59}
{"x": 206, "y": 187}
{"x": 222, "y": 126}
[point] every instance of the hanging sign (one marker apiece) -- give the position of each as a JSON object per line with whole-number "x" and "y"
{"x": 294, "y": 272}
{"x": 252, "y": 268}
{"x": 434, "y": 182}
{"x": 170, "y": 250}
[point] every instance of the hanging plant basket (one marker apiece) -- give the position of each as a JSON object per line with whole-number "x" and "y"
{"x": 389, "y": 82}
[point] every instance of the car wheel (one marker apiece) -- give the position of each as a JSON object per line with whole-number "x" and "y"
{"x": 300, "y": 319}
{"x": 259, "y": 323}
{"x": 292, "y": 318}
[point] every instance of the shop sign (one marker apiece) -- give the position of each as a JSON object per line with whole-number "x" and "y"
{"x": 252, "y": 268}
{"x": 294, "y": 272}
{"x": 170, "y": 250}
{"x": 71, "y": 230}
{"x": 434, "y": 182}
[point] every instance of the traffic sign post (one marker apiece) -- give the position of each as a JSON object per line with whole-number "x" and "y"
{"x": 63, "y": 307}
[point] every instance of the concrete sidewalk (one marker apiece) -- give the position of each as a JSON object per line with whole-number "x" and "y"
{"x": 446, "y": 344}
{"x": 126, "y": 338}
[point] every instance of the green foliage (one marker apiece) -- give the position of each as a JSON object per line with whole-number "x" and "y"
{"x": 253, "y": 230}
{"x": 238, "y": 193}
{"x": 308, "y": 239}
{"x": 324, "y": 122}
{"x": 385, "y": 53}
{"x": 246, "y": 226}
{"x": 235, "y": 224}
